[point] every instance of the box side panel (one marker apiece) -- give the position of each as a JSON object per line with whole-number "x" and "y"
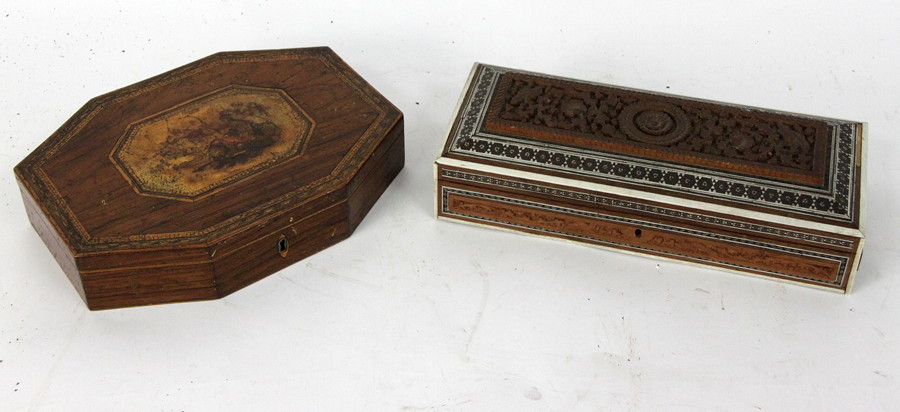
{"x": 376, "y": 175}
{"x": 280, "y": 247}
{"x": 857, "y": 261}
{"x": 149, "y": 286}
{"x": 863, "y": 198}
{"x": 146, "y": 259}
{"x": 48, "y": 233}
{"x": 803, "y": 261}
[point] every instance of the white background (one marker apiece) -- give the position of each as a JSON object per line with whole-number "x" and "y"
{"x": 415, "y": 314}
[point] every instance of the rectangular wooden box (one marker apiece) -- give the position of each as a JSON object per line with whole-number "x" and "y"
{"x": 743, "y": 189}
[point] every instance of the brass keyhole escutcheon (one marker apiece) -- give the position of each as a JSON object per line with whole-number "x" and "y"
{"x": 282, "y": 246}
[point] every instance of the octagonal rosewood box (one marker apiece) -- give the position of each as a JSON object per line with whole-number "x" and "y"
{"x": 197, "y": 182}
{"x": 737, "y": 188}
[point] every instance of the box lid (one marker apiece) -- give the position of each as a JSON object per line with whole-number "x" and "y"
{"x": 206, "y": 150}
{"x": 790, "y": 168}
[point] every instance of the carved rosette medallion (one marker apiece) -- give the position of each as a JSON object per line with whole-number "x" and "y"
{"x": 655, "y": 122}
{"x": 198, "y": 147}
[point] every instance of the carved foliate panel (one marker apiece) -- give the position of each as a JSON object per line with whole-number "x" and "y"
{"x": 783, "y": 163}
{"x": 597, "y": 113}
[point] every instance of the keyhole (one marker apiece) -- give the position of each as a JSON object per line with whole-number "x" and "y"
{"x": 282, "y": 246}
{"x": 637, "y": 232}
